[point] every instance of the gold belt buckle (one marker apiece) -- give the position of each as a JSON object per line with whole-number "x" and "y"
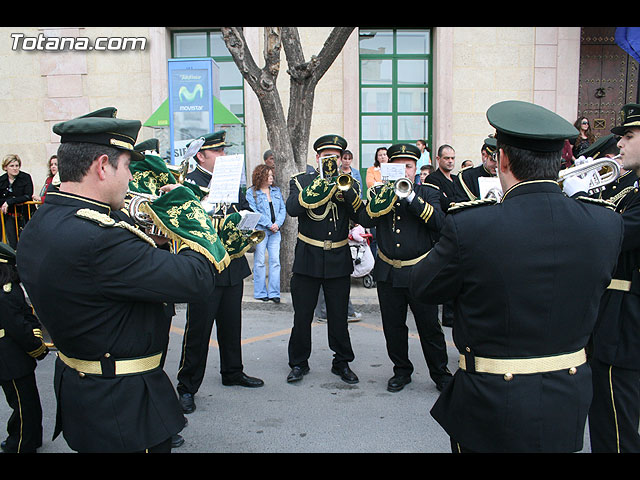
{"x": 327, "y": 244}
{"x": 397, "y": 263}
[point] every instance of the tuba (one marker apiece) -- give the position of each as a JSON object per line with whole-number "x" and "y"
{"x": 603, "y": 171}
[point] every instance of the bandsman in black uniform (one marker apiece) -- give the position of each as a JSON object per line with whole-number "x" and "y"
{"x": 21, "y": 344}
{"x": 224, "y": 306}
{"x": 525, "y": 302}
{"x": 607, "y": 146}
{"x": 100, "y": 287}
{"x": 467, "y": 187}
{"x": 615, "y": 356}
{"x": 407, "y": 225}
{"x": 322, "y": 258}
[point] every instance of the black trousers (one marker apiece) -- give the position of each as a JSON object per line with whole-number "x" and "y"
{"x": 25, "y": 422}
{"x": 615, "y": 409}
{"x": 304, "y": 296}
{"x": 225, "y": 308}
{"x": 394, "y": 304}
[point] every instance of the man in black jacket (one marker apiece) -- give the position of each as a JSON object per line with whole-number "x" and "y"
{"x": 407, "y": 228}
{"x": 526, "y": 298}
{"x": 224, "y": 306}
{"x": 20, "y": 345}
{"x": 100, "y": 286}
{"x": 615, "y": 356}
{"x": 322, "y": 258}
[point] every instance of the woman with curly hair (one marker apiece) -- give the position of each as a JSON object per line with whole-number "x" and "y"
{"x": 266, "y": 199}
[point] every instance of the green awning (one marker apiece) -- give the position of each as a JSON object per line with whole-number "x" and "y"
{"x": 221, "y": 115}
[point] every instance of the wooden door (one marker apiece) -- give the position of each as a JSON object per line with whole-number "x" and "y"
{"x": 608, "y": 79}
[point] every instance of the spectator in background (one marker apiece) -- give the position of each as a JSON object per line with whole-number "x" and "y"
{"x": 585, "y": 138}
{"x": 373, "y": 173}
{"x": 425, "y": 171}
{"x": 52, "y": 167}
{"x": 266, "y": 199}
{"x": 345, "y": 167}
{"x": 425, "y": 158}
{"x": 269, "y": 158}
{"x": 466, "y": 164}
{"x": 16, "y": 187}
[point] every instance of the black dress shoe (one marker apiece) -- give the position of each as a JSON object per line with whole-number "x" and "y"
{"x": 242, "y": 380}
{"x": 176, "y": 441}
{"x": 397, "y": 382}
{"x": 345, "y": 374}
{"x": 443, "y": 382}
{"x": 187, "y": 402}
{"x": 275, "y": 300}
{"x": 297, "y": 373}
{"x": 264, "y": 299}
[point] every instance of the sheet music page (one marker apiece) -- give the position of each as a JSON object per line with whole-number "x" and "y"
{"x": 225, "y": 181}
{"x": 392, "y": 171}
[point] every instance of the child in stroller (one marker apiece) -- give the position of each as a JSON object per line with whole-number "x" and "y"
{"x": 361, "y": 255}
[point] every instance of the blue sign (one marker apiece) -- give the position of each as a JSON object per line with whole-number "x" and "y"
{"x": 192, "y": 86}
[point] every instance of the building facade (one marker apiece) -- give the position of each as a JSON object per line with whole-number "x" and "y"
{"x": 388, "y": 85}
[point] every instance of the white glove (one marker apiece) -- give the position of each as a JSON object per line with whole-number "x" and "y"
{"x": 575, "y": 184}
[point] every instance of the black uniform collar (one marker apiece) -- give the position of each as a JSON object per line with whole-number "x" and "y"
{"x": 532, "y": 186}
{"x": 73, "y": 200}
{"x": 204, "y": 171}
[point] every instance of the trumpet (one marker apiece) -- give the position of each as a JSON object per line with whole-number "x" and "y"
{"x": 403, "y": 187}
{"x": 139, "y": 217}
{"x": 604, "y": 171}
{"x": 344, "y": 182}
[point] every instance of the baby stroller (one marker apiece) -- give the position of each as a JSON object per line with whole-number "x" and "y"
{"x": 361, "y": 255}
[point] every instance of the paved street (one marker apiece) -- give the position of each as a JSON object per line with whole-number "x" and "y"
{"x": 320, "y": 414}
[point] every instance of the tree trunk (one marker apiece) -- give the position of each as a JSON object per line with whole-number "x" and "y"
{"x": 288, "y": 137}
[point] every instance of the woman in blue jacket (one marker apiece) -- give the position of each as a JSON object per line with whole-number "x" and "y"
{"x": 266, "y": 199}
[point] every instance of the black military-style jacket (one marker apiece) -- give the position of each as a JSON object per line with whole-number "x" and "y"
{"x": 405, "y": 233}
{"x": 100, "y": 288}
{"x": 616, "y": 191}
{"x": 20, "y": 344}
{"x": 616, "y": 338}
{"x": 522, "y": 287}
{"x": 466, "y": 183}
{"x": 447, "y": 187}
{"x": 330, "y": 223}
{"x": 238, "y": 269}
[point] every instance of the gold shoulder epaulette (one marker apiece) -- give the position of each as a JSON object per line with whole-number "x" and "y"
{"x": 105, "y": 220}
{"x": 431, "y": 185}
{"x": 459, "y": 206}
{"x": 597, "y": 201}
{"x": 101, "y": 219}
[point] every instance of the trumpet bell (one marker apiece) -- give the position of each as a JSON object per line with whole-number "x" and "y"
{"x": 344, "y": 182}
{"x": 256, "y": 236}
{"x": 403, "y": 187}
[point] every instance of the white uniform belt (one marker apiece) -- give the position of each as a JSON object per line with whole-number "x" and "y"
{"x": 400, "y": 263}
{"x": 324, "y": 244}
{"x": 128, "y": 366}
{"x": 624, "y": 285}
{"x": 513, "y": 366}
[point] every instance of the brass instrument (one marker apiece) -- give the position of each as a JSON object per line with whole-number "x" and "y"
{"x": 603, "y": 170}
{"x": 344, "y": 182}
{"x": 403, "y": 187}
{"x": 139, "y": 217}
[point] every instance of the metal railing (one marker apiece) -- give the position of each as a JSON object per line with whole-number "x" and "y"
{"x": 31, "y": 205}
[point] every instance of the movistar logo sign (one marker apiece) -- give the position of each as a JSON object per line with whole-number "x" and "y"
{"x": 184, "y": 94}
